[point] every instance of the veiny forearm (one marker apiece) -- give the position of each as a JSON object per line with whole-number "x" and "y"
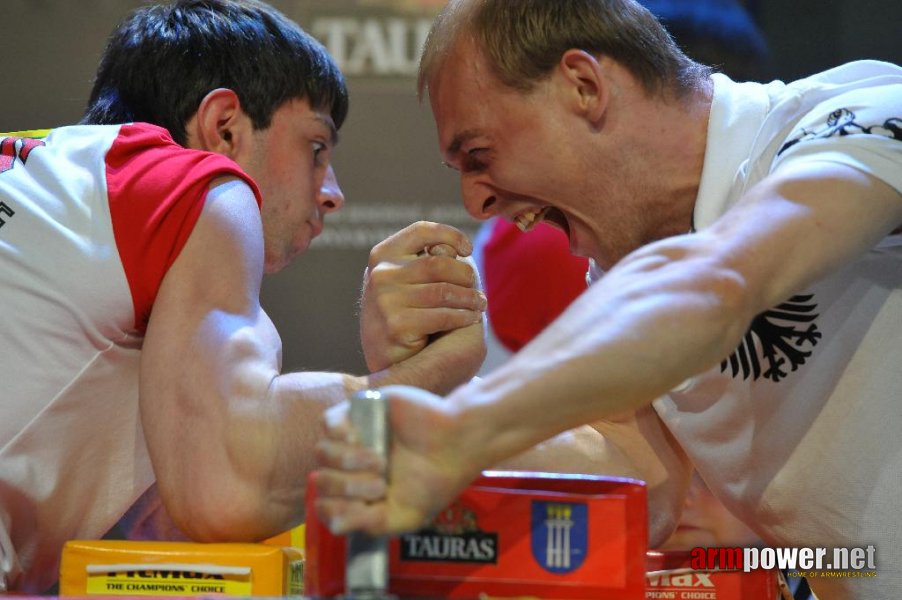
{"x": 663, "y": 320}
{"x": 272, "y": 443}
{"x": 269, "y": 449}
{"x": 232, "y": 441}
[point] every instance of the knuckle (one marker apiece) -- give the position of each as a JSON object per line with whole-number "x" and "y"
{"x": 394, "y": 323}
{"x": 380, "y": 273}
{"x": 376, "y": 253}
{"x": 474, "y": 300}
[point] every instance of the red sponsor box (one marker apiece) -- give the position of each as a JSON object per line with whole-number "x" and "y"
{"x": 671, "y": 577}
{"x": 509, "y": 535}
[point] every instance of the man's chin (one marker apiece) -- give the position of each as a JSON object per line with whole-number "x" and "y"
{"x": 274, "y": 264}
{"x": 277, "y": 264}
{"x": 270, "y": 269}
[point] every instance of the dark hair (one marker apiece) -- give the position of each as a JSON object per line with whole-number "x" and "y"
{"x": 720, "y": 33}
{"x": 523, "y": 40}
{"x": 163, "y": 59}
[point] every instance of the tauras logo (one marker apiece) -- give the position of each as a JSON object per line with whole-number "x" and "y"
{"x": 375, "y": 46}
{"x": 453, "y": 536}
{"x": 684, "y": 580}
{"x": 467, "y": 547}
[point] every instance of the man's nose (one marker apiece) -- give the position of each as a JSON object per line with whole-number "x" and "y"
{"x": 479, "y": 199}
{"x": 330, "y": 196}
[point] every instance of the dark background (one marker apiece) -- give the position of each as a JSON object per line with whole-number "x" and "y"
{"x": 387, "y": 162}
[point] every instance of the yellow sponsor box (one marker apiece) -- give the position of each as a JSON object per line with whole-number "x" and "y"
{"x": 27, "y": 133}
{"x": 293, "y": 537}
{"x": 131, "y": 568}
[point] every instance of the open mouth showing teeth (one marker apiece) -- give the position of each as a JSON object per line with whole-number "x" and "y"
{"x": 527, "y": 221}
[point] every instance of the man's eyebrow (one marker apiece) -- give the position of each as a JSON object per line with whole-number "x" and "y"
{"x": 330, "y": 125}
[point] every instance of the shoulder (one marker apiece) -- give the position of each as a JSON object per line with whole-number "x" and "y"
{"x": 858, "y": 98}
{"x": 161, "y": 194}
{"x": 146, "y": 155}
{"x": 859, "y": 127}
{"x": 851, "y": 115}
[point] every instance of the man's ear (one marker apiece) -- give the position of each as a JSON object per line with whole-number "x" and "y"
{"x": 588, "y": 86}
{"x": 220, "y": 125}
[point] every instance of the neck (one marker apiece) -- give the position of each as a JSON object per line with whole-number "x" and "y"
{"x": 666, "y": 139}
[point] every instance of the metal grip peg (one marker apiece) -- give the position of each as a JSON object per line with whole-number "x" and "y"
{"x": 366, "y": 569}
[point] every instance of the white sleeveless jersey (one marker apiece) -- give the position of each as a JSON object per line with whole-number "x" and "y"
{"x": 798, "y": 431}
{"x": 90, "y": 220}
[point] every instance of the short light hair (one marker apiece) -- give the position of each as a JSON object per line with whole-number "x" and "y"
{"x": 523, "y": 40}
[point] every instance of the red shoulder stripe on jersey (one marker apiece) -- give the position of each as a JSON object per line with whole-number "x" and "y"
{"x": 156, "y": 190}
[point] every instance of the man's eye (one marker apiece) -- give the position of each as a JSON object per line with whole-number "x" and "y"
{"x": 318, "y": 150}
{"x": 475, "y": 159}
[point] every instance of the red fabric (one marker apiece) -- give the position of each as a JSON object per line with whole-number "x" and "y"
{"x": 530, "y": 278}
{"x": 156, "y": 190}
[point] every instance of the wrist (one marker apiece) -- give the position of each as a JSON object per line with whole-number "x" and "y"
{"x": 482, "y": 435}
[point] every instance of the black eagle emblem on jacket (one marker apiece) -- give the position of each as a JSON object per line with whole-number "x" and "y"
{"x": 779, "y": 341}
{"x": 843, "y": 122}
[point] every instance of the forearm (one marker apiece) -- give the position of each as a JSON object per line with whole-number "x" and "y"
{"x": 232, "y": 459}
{"x": 272, "y": 443}
{"x": 663, "y": 320}
{"x": 581, "y": 450}
{"x": 269, "y": 435}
